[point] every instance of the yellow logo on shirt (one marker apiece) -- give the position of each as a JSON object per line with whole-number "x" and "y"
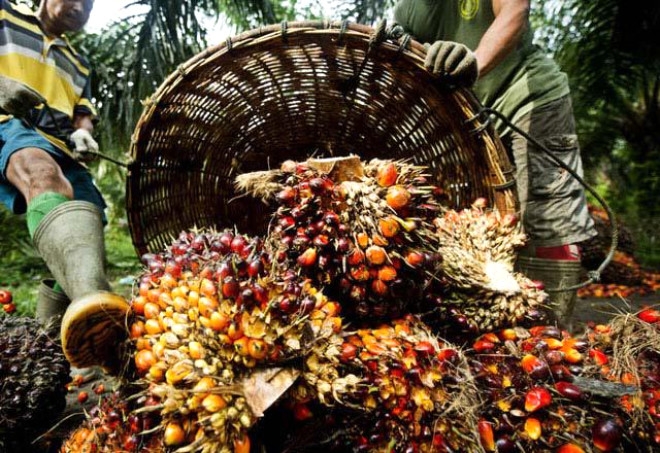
{"x": 469, "y": 9}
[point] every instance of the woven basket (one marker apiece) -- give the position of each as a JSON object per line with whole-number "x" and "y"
{"x": 290, "y": 92}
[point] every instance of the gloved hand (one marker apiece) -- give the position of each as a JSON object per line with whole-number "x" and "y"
{"x": 16, "y": 98}
{"x": 452, "y": 61}
{"x": 85, "y": 147}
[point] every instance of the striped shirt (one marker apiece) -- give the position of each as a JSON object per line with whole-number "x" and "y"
{"x": 48, "y": 65}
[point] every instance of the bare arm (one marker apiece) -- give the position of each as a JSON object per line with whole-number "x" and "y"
{"x": 503, "y": 35}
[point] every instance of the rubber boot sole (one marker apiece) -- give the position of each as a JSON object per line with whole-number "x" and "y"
{"x": 93, "y": 330}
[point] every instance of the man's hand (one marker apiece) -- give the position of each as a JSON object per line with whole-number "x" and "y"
{"x": 452, "y": 61}
{"x": 17, "y": 99}
{"x": 85, "y": 147}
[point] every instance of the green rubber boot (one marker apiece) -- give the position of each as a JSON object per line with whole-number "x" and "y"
{"x": 51, "y": 304}
{"x": 70, "y": 240}
{"x": 555, "y": 274}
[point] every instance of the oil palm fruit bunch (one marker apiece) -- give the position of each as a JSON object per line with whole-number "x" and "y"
{"x": 207, "y": 319}
{"x": 113, "y": 426}
{"x": 544, "y": 390}
{"x": 33, "y": 378}
{"x": 363, "y": 230}
{"x": 631, "y": 341}
{"x": 415, "y": 389}
{"x": 481, "y": 291}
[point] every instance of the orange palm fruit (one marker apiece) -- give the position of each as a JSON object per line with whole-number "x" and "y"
{"x": 397, "y": 197}
{"x": 386, "y": 174}
{"x": 533, "y": 428}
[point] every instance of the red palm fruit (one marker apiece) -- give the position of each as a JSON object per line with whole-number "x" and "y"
{"x": 486, "y": 435}
{"x": 483, "y": 346}
{"x": 230, "y": 288}
{"x": 308, "y": 257}
{"x": 388, "y": 227}
{"x": 360, "y": 273}
{"x": 386, "y": 174}
{"x": 376, "y": 255}
{"x": 355, "y": 257}
{"x": 302, "y": 412}
{"x": 320, "y": 240}
{"x": 397, "y": 197}
{"x": 242, "y": 444}
{"x": 490, "y": 336}
{"x": 570, "y": 448}
{"x": 554, "y": 357}
{"x": 379, "y": 287}
{"x": 348, "y": 352}
{"x": 561, "y": 372}
{"x": 286, "y": 196}
{"x": 568, "y": 390}
{"x": 414, "y": 258}
{"x": 535, "y": 367}
{"x": 649, "y": 315}
{"x": 537, "y": 398}
{"x": 533, "y": 428}
{"x": 598, "y": 356}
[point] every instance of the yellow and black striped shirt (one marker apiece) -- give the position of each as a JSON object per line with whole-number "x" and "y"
{"x": 50, "y": 66}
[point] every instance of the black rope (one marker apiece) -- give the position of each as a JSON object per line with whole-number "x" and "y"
{"x": 592, "y": 276}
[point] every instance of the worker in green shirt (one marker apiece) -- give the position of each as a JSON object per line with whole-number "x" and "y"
{"x": 487, "y": 45}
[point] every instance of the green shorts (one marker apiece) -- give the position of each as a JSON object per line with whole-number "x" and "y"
{"x": 553, "y": 205}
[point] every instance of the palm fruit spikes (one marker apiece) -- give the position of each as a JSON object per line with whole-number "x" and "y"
{"x": 545, "y": 390}
{"x": 207, "y": 319}
{"x": 113, "y": 426}
{"x": 33, "y": 378}
{"x": 404, "y": 378}
{"x": 361, "y": 230}
{"x": 481, "y": 291}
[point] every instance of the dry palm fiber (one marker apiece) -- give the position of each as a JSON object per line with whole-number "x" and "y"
{"x": 481, "y": 291}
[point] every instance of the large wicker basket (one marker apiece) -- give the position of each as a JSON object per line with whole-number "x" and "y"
{"x": 290, "y": 92}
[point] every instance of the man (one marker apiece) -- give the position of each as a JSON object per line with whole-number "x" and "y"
{"x": 46, "y": 121}
{"x": 487, "y": 45}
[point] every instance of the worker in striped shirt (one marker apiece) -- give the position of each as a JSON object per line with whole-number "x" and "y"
{"x": 46, "y": 125}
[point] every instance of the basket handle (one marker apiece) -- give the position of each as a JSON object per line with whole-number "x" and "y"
{"x": 594, "y": 275}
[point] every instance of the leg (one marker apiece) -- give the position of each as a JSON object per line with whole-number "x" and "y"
{"x": 554, "y": 209}
{"x": 69, "y": 237}
{"x": 34, "y": 172}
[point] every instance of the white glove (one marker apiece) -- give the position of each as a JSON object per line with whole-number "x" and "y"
{"x": 85, "y": 145}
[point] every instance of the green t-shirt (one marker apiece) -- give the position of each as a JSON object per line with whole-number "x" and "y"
{"x": 524, "y": 80}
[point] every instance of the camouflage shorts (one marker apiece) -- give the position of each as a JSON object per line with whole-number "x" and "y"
{"x": 553, "y": 206}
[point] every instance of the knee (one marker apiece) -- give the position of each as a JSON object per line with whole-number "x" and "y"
{"x": 48, "y": 177}
{"x": 36, "y": 173}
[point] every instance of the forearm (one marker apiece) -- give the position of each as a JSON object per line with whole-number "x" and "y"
{"x": 503, "y": 35}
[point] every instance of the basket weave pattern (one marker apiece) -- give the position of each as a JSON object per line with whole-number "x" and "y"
{"x": 308, "y": 89}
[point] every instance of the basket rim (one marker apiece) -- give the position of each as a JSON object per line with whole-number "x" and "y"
{"x": 412, "y": 49}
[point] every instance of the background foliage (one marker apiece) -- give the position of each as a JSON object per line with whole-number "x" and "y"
{"x": 606, "y": 46}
